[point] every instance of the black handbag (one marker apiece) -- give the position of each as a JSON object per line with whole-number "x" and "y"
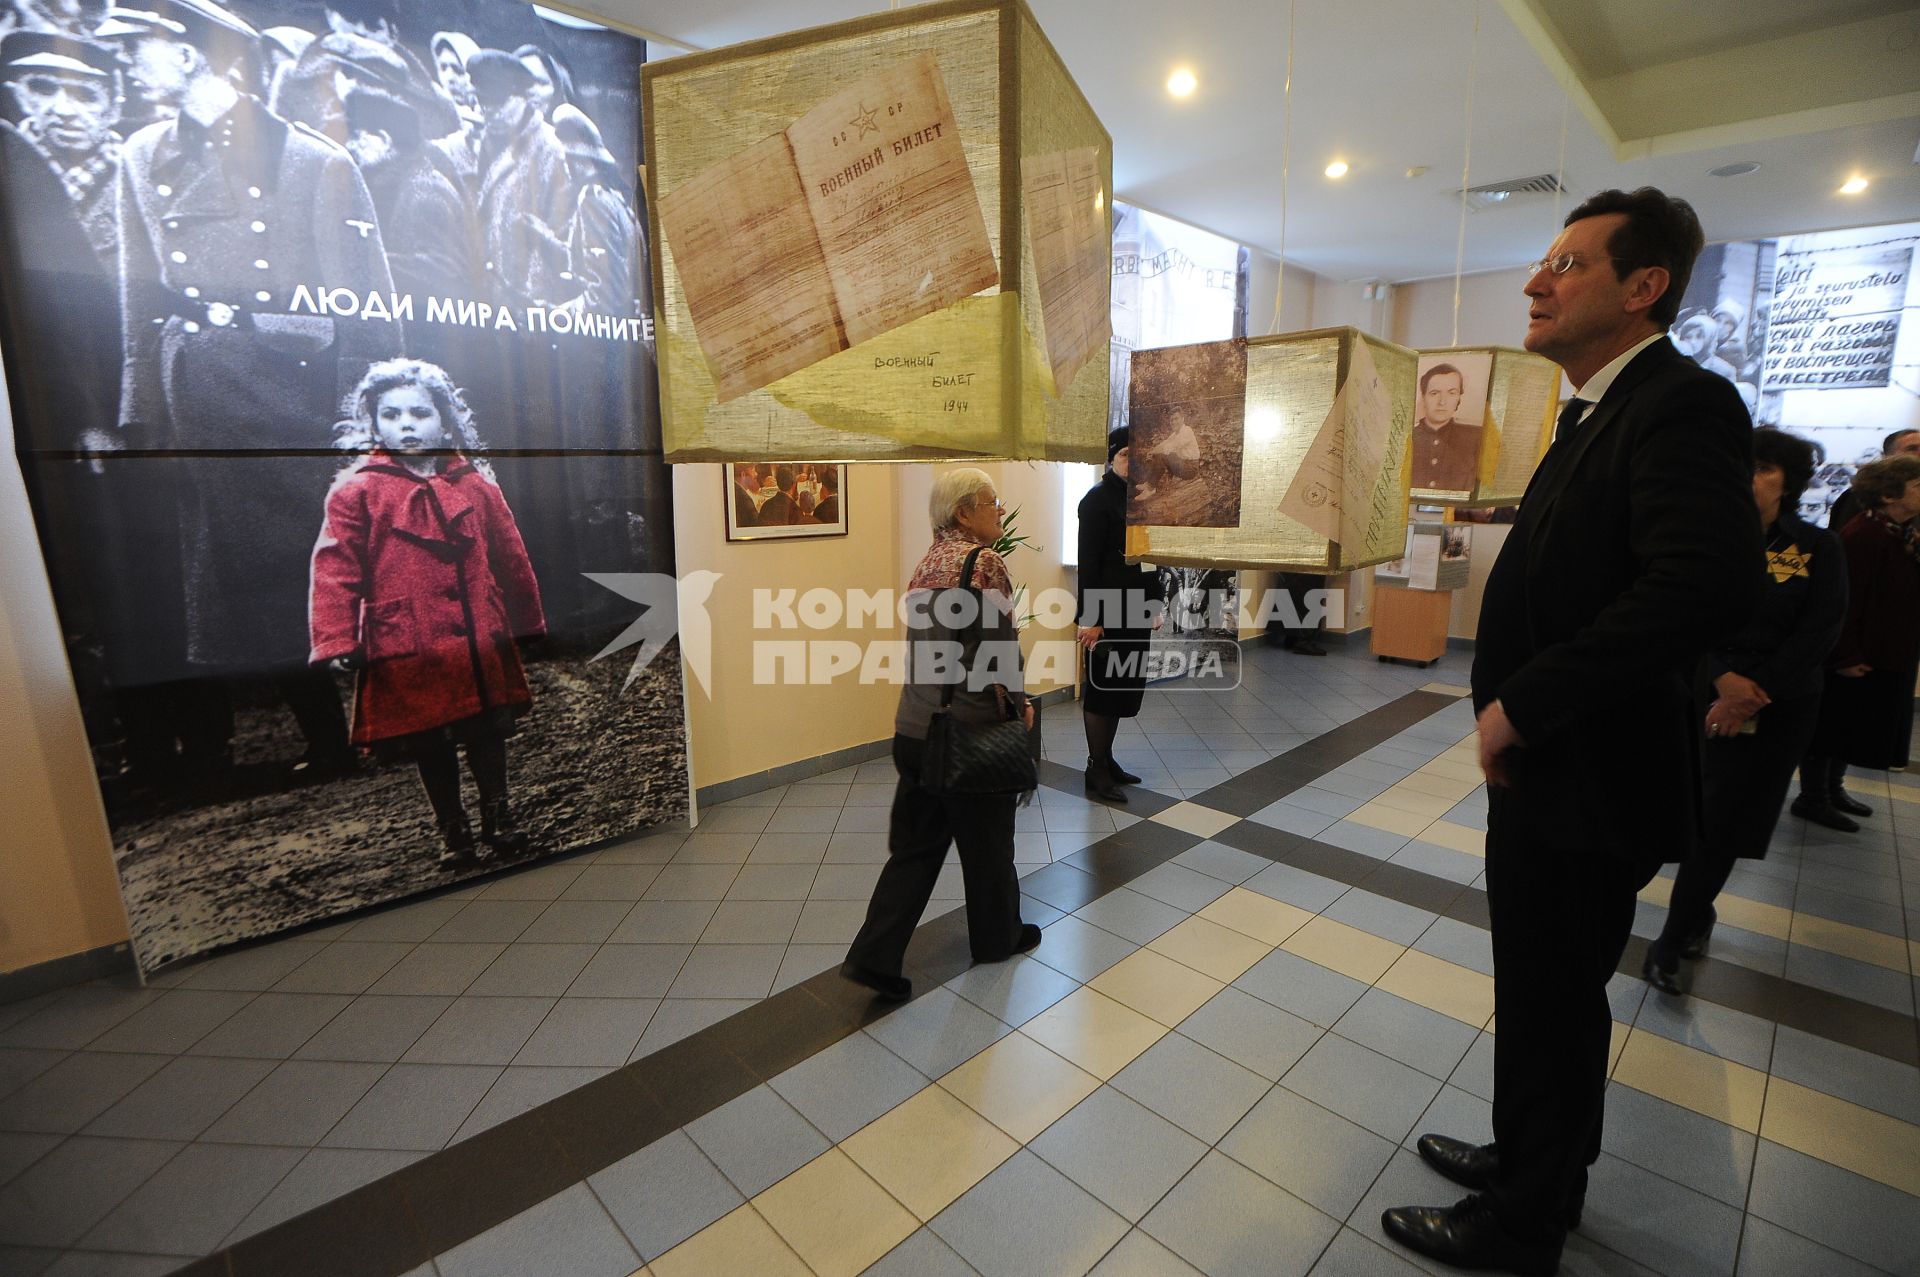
{"x": 963, "y": 759}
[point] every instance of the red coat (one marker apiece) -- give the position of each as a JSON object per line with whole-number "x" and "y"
{"x": 428, "y": 581}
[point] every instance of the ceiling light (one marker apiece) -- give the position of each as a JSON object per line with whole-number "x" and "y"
{"x": 1337, "y": 169}
{"x": 1739, "y": 168}
{"x": 1853, "y": 185}
{"x": 1182, "y": 83}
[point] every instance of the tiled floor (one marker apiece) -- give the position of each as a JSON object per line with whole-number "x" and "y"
{"x": 1243, "y": 1012}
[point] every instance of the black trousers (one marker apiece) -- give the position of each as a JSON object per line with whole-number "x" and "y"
{"x": 1560, "y": 923}
{"x": 919, "y": 831}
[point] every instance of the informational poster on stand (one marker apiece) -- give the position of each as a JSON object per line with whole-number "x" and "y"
{"x": 330, "y": 360}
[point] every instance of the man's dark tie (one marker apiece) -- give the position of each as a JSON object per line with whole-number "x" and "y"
{"x": 1570, "y": 417}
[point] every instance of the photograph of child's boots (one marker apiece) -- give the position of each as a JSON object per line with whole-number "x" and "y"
{"x": 499, "y": 830}
{"x": 459, "y": 850}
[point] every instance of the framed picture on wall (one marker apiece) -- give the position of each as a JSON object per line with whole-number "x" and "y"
{"x": 775, "y": 500}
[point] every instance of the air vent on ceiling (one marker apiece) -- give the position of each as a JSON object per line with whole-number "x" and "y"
{"x": 1500, "y": 194}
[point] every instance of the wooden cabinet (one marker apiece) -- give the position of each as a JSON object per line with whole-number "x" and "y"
{"x": 1411, "y": 625}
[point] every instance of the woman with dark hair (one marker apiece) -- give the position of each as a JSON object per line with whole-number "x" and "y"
{"x": 1114, "y": 597}
{"x": 1866, "y": 718}
{"x": 1765, "y": 700}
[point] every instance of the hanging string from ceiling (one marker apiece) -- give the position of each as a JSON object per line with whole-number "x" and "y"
{"x": 1466, "y": 176}
{"x": 1560, "y": 174}
{"x": 1286, "y": 163}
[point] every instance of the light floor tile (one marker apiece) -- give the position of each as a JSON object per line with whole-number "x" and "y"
{"x": 928, "y": 1151}
{"x": 1846, "y": 1135}
{"x": 1195, "y": 819}
{"x": 1443, "y": 986}
{"x": 1120, "y": 1151}
{"x": 1210, "y": 948}
{"x": 835, "y": 1216}
{"x": 739, "y": 1242}
{"x": 1157, "y": 986}
{"x": 1028, "y": 1218}
{"x": 1720, "y": 1089}
{"x": 1094, "y": 1031}
{"x": 1263, "y": 918}
{"x": 1020, "y": 1086}
{"x": 1352, "y": 952}
{"x": 1415, "y": 802}
{"x": 1312, "y": 1152}
{"x": 1191, "y": 1085}
{"x": 1229, "y": 1222}
{"x": 1138, "y": 1255}
{"x": 1378, "y": 815}
{"x": 1445, "y": 833}
{"x": 1853, "y": 942}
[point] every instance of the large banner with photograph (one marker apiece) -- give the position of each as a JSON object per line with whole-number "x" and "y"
{"x": 1177, "y": 285}
{"x": 1811, "y": 329}
{"x": 329, "y": 351}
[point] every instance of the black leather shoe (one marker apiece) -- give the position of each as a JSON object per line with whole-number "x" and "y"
{"x": 1473, "y": 1165}
{"x": 1121, "y": 774}
{"x": 1102, "y": 784}
{"x": 1306, "y": 647}
{"x": 1663, "y": 973}
{"x": 1840, "y": 800}
{"x": 1467, "y": 1235}
{"x": 1029, "y": 938}
{"x": 888, "y": 988}
{"x": 1822, "y": 814}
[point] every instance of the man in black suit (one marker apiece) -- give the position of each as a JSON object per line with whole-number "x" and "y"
{"x": 1636, "y": 549}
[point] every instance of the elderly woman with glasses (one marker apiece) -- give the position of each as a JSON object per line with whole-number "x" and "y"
{"x": 1766, "y": 699}
{"x": 965, "y": 512}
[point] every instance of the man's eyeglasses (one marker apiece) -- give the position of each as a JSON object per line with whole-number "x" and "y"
{"x": 1561, "y": 263}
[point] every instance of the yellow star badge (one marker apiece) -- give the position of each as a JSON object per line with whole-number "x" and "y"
{"x": 865, "y": 121}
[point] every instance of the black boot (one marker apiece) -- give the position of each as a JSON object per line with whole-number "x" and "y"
{"x": 1840, "y": 800}
{"x": 1662, "y": 970}
{"x": 1101, "y": 782}
{"x": 1696, "y": 945}
{"x": 458, "y": 836}
{"x": 500, "y": 831}
{"x": 1121, "y": 774}
{"x": 1821, "y": 812}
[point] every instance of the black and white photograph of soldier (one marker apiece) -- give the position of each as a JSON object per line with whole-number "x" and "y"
{"x": 214, "y": 219}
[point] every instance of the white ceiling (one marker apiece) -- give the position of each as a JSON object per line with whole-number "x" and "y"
{"x": 1384, "y": 85}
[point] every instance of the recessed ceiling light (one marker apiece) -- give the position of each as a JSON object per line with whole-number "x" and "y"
{"x": 1337, "y": 169}
{"x": 1853, "y": 185}
{"x": 1182, "y": 82}
{"x": 1739, "y": 168}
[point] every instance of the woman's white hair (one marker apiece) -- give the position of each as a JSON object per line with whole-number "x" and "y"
{"x": 953, "y": 489}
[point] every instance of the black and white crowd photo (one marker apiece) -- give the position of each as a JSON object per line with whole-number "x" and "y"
{"x": 328, "y": 331}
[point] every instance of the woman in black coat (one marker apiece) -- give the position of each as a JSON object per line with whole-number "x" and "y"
{"x": 1766, "y": 699}
{"x": 1116, "y": 622}
{"x": 1866, "y": 718}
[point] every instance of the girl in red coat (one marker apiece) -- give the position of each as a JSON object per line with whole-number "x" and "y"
{"x": 421, "y": 584}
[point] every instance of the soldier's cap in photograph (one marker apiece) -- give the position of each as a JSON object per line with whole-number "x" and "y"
{"x": 292, "y": 41}
{"x": 579, "y": 135}
{"x": 498, "y": 75}
{"x": 192, "y": 20}
{"x": 367, "y": 61}
{"x": 463, "y": 45}
{"x": 22, "y": 52}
